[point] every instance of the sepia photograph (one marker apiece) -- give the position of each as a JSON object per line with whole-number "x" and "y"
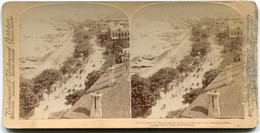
{"x": 74, "y": 62}
{"x": 130, "y": 64}
{"x": 186, "y": 61}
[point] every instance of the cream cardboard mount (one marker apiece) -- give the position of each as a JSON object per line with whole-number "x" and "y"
{"x": 130, "y": 64}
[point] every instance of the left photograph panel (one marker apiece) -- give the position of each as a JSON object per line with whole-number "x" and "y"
{"x": 74, "y": 62}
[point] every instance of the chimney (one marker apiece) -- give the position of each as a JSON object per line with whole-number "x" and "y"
{"x": 96, "y": 110}
{"x": 213, "y": 110}
{"x": 111, "y": 72}
{"x": 229, "y": 74}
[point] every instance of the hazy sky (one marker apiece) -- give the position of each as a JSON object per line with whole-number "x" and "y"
{"x": 71, "y": 9}
{"x": 186, "y": 9}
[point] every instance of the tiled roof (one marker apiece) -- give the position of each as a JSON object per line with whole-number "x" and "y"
{"x": 230, "y": 98}
{"x": 115, "y": 101}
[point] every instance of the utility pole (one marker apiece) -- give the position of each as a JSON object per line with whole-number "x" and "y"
{"x": 125, "y": 56}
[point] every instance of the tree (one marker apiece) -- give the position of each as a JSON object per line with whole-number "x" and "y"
{"x": 82, "y": 49}
{"x": 222, "y": 37}
{"x": 45, "y": 80}
{"x": 116, "y": 48}
{"x": 199, "y": 34}
{"x": 191, "y": 96}
{"x": 183, "y": 67}
{"x": 199, "y": 48}
{"x": 74, "y": 97}
{"x": 28, "y": 100}
{"x": 109, "y": 61}
{"x": 209, "y": 77}
{"x": 104, "y": 38}
{"x": 65, "y": 69}
{"x": 81, "y": 35}
{"x": 69, "y": 65}
{"x": 142, "y": 98}
{"x": 162, "y": 78}
{"x": 92, "y": 78}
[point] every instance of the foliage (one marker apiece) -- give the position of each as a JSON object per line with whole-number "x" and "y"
{"x": 71, "y": 65}
{"x": 84, "y": 31}
{"x": 104, "y": 38}
{"x": 74, "y": 97}
{"x": 45, "y": 80}
{"x": 115, "y": 48}
{"x": 191, "y": 96}
{"x": 198, "y": 34}
{"x": 92, "y": 78}
{"x": 162, "y": 78}
{"x": 183, "y": 67}
{"x": 209, "y": 77}
{"x": 142, "y": 98}
{"x": 28, "y": 100}
{"x": 109, "y": 61}
{"x": 82, "y": 50}
{"x": 82, "y": 34}
{"x": 199, "y": 49}
{"x": 222, "y": 37}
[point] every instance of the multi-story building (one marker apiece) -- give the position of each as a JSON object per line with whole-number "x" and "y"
{"x": 235, "y": 30}
{"x": 233, "y": 25}
{"x": 119, "y": 32}
{"x": 104, "y": 24}
{"x": 221, "y": 24}
{"x": 116, "y": 27}
{"x": 120, "y": 21}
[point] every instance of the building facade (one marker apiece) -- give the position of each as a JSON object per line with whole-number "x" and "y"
{"x": 119, "y": 33}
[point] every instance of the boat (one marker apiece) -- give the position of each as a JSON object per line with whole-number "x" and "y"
{"x": 148, "y": 57}
{"x": 33, "y": 58}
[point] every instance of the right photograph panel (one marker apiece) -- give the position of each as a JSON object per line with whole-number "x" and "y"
{"x": 186, "y": 61}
